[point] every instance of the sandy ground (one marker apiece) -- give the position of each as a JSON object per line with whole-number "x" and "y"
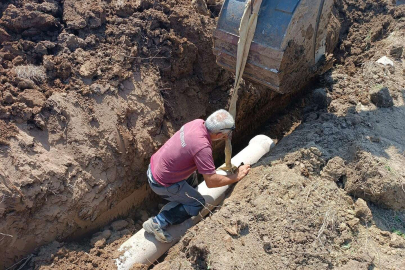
{"x": 75, "y": 144}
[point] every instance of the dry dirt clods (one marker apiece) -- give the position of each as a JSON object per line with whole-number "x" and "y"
{"x": 90, "y": 89}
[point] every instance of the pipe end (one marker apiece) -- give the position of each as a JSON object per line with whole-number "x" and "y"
{"x": 264, "y": 141}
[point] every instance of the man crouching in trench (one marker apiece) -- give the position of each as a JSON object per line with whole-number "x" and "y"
{"x": 171, "y": 173}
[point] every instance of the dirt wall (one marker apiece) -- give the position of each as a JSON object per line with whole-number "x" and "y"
{"x": 89, "y": 90}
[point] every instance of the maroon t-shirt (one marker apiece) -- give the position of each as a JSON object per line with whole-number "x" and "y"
{"x": 188, "y": 150}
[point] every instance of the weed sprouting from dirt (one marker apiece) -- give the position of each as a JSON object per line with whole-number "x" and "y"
{"x": 31, "y": 72}
{"x": 329, "y": 220}
{"x": 311, "y": 187}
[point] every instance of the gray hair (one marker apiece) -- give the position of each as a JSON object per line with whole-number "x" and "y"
{"x": 220, "y": 121}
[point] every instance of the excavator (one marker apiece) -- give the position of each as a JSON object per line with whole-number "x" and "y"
{"x": 280, "y": 44}
{"x": 289, "y": 41}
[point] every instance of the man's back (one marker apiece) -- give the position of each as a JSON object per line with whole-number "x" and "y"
{"x": 189, "y": 149}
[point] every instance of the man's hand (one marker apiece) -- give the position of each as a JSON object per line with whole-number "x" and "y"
{"x": 217, "y": 180}
{"x": 243, "y": 171}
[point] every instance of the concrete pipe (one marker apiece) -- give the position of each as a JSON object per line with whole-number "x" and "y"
{"x": 143, "y": 248}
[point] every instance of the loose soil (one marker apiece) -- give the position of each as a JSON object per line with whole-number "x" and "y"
{"x": 122, "y": 76}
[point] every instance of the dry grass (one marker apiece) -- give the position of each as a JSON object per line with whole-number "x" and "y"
{"x": 4, "y": 235}
{"x": 31, "y": 72}
{"x": 329, "y": 220}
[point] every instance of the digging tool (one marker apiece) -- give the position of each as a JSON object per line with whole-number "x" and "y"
{"x": 289, "y": 41}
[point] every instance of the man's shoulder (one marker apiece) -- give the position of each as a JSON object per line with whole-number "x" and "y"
{"x": 197, "y": 128}
{"x": 196, "y": 122}
{"x": 197, "y": 134}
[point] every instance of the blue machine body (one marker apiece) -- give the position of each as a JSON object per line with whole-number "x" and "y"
{"x": 286, "y": 29}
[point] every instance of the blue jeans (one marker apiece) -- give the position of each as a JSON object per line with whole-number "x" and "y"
{"x": 189, "y": 200}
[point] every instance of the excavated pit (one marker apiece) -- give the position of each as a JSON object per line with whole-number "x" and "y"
{"x": 120, "y": 79}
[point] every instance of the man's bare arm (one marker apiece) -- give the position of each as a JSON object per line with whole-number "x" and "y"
{"x": 217, "y": 180}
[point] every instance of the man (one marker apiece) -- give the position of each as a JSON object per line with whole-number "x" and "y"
{"x": 171, "y": 173}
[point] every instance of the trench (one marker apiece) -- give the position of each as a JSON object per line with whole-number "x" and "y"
{"x": 291, "y": 117}
{"x": 276, "y": 119}
{"x": 282, "y": 122}
{"x": 282, "y": 115}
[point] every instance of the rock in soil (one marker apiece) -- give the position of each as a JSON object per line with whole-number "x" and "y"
{"x": 119, "y": 225}
{"x": 381, "y": 97}
{"x": 396, "y": 51}
{"x": 100, "y": 235}
{"x": 362, "y": 210}
{"x": 397, "y": 241}
{"x": 334, "y": 169}
{"x": 374, "y": 181}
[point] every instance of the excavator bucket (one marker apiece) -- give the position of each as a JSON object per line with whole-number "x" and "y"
{"x": 288, "y": 45}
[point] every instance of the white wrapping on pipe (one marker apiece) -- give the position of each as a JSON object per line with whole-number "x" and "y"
{"x": 143, "y": 248}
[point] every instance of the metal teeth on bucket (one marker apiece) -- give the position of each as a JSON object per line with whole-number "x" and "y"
{"x": 289, "y": 39}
